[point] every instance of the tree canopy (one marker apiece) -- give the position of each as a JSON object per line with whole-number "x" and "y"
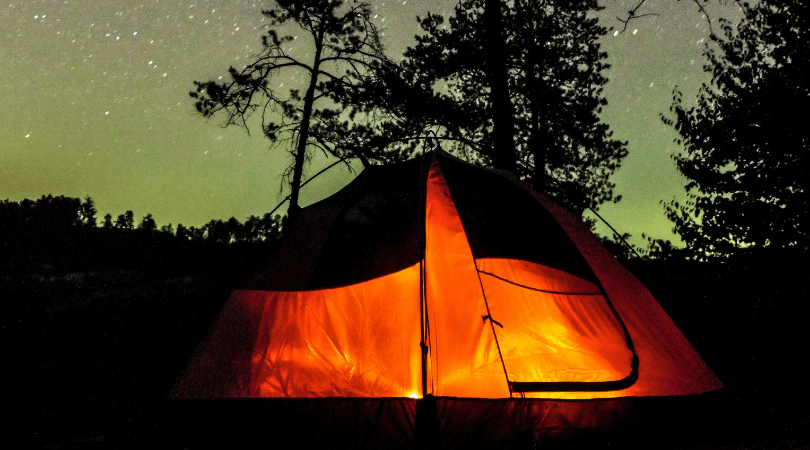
{"x": 447, "y": 87}
{"x": 516, "y": 85}
{"x": 746, "y": 138}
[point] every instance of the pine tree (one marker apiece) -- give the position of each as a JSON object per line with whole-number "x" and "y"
{"x": 148, "y": 224}
{"x": 88, "y": 211}
{"x": 125, "y": 221}
{"x": 554, "y": 67}
{"x": 344, "y": 45}
{"x": 746, "y": 140}
{"x": 107, "y": 223}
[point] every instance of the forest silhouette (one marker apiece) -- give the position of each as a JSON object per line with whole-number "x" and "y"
{"x": 58, "y": 232}
{"x": 98, "y": 319}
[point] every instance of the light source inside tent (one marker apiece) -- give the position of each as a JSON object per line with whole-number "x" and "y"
{"x": 439, "y": 278}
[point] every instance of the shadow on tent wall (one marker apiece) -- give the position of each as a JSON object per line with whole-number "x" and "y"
{"x": 447, "y": 423}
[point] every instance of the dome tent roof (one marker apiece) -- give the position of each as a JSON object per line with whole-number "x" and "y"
{"x": 437, "y": 278}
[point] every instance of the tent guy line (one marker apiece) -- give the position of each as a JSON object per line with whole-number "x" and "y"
{"x": 536, "y": 289}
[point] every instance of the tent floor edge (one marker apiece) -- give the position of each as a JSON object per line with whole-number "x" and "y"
{"x": 439, "y": 422}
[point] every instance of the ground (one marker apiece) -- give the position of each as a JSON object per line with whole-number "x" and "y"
{"x": 92, "y": 355}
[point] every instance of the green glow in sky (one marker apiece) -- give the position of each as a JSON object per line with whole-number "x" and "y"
{"x": 95, "y": 102}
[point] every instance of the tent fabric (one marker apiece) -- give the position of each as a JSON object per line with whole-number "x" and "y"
{"x": 504, "y": 222}
{"x": 668, "y": 363}
{"x": 368, "y": 229}
{"x": 437, "y": 277}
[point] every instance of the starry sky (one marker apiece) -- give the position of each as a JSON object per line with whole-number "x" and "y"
{"x": 95, "y": 102}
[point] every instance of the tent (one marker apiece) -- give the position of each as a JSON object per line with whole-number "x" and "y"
{"x": 435, "y": 288}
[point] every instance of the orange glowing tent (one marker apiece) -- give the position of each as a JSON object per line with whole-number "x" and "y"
{"x": 437, "y": 278}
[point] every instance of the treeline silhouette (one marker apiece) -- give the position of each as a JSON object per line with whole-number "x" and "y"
{"x": 59, "y": 233}
{"x": 99, "y": 316}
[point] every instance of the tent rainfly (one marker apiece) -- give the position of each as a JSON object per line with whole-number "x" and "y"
{"x": 436, "y": 279}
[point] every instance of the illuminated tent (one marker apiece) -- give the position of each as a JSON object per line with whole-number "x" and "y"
{"x": 437, "y": 277}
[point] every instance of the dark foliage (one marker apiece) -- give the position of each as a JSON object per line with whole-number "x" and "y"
{"x": 125, "y": 221}
{"x": 554, "y": 66}
{"x": 54, "y": 233}
{"x": 744, "y": 314}
{"x": 746, "y": 141}
{"x": 96, "y": 322}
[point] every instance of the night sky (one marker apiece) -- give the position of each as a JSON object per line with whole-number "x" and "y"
{"x": 95, "y": 102}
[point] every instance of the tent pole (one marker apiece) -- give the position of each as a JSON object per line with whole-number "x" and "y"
{"x": 616, "y": 233}
{"x": 423, "y": 347}
{"x": 422, "y": 316}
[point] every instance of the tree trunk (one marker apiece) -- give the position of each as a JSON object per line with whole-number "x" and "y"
{"x": 303, "y": 133}
{"x": 538, "y": 146}
{"x": 503, "y": 153}
{"x": 538, "y": 138}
